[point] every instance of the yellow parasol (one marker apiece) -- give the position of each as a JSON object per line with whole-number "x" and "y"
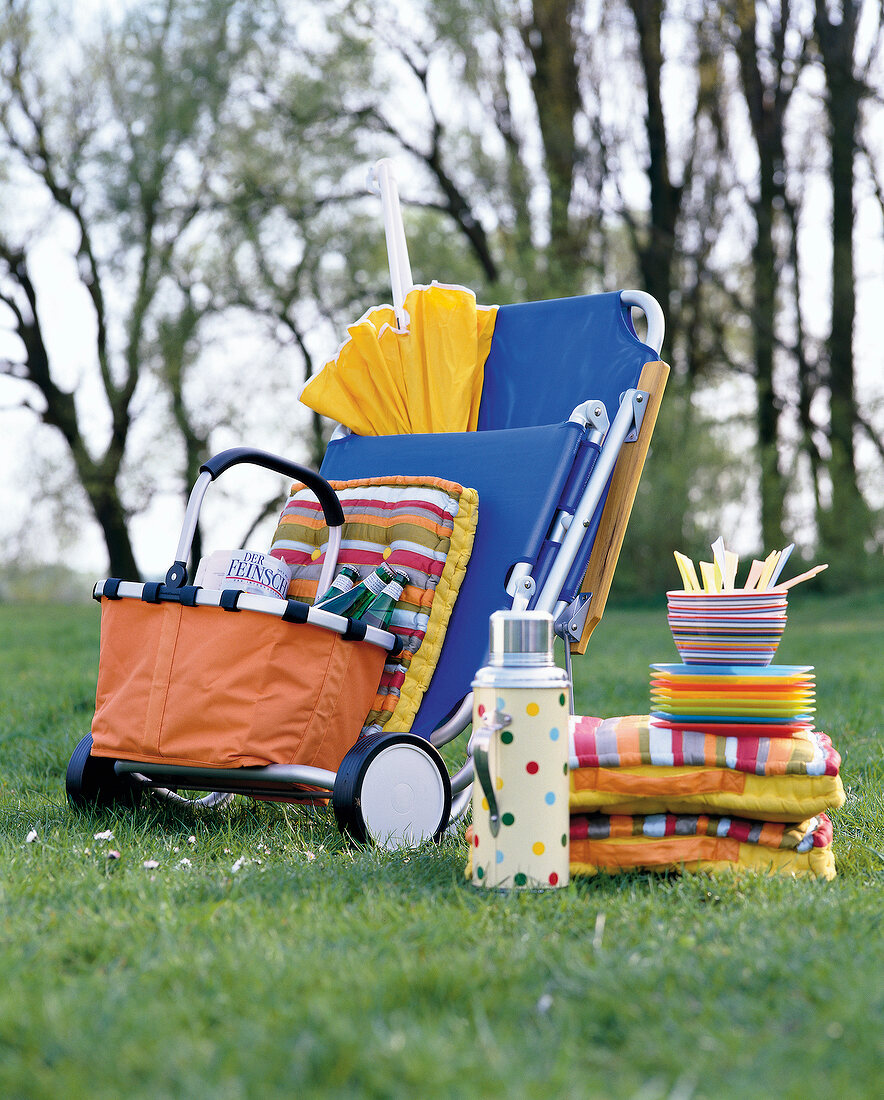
{"x": 427, "y": 377}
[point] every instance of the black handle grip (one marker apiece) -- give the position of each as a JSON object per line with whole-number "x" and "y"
{"x": 325, "y": 494}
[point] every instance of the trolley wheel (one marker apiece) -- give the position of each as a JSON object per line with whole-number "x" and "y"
{"x": 91, "y": 780}
{"x": 392, "y": 789}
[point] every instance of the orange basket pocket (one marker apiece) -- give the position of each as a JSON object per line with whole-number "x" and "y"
{"x": 206, "y": 687}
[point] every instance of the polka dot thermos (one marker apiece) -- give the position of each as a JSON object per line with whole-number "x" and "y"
{"x": 520, "y": 752}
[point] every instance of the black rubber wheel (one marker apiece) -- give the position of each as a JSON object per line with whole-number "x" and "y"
{"x": 91, "y": 780}
{"x": 393, "y": 790}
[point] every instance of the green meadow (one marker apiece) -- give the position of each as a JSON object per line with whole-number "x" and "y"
{"x": 252, "y": 952}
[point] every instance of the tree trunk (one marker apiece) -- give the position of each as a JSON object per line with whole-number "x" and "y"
{"x": 655, "y": 256}
{"x": 98, "y": 479}
{"x": 847, "y": 524}
{"x": 764, "y": 308}
{"x": 177, "y": 337}
{"x": 766, "y": 99}
{"x": 549, "y": 38}
{"x": 111, "y": 517}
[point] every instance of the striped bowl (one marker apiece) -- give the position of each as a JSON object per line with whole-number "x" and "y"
{"x": 728, "y": 628}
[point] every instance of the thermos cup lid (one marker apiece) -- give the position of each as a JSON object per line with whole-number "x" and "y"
{"x": 521, "y": 638}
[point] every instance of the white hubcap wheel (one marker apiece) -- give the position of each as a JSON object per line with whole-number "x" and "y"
{"x": 402, "y": 797}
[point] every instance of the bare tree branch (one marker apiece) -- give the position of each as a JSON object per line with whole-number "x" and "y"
{"x": 872, "y": 434}
{"x": 268, "y": 509}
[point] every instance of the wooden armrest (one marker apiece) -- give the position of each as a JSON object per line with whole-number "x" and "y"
{"x": 618, "y": 506}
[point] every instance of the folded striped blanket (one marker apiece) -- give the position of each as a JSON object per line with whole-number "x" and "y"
{"x": 423, "y": 526}
{"x": 630, "y": 766}
{"x": 637, "y": 740}
{"x": 699, "y": 842}
{"x": 692, "y": 843}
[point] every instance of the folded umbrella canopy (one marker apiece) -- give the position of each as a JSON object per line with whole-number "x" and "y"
{"x": 426, "y": 377}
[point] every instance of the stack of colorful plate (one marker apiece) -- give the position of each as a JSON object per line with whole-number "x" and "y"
{"x": 771, "y": 701}
{"x": 727, "y": 628}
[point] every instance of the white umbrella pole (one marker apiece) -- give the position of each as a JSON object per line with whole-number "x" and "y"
{"x": 382, "y": 181}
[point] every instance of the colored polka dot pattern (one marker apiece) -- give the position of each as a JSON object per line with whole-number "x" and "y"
{"x": 531, "y": 847}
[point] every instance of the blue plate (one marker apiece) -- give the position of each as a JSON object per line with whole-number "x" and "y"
{"x": 735, "y": 670}
{"x": 731, "y": 720}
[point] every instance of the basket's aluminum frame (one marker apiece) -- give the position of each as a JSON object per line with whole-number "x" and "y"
{"x": 208, "y": 472}
{"x": 273, "y": 778}
{"x": 246, "y": 601}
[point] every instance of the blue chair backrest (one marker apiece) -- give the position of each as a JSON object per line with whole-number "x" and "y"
{"x": 547, "y": 357}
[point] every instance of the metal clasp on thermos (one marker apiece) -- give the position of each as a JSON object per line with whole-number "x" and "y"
{"x": 479, "y": 744}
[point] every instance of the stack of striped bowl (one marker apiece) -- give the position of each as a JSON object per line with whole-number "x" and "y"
{"x": 727, "y": 628}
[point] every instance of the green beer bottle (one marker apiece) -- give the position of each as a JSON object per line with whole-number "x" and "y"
{"x": 379, "y": 612}
{"x": 354, "y": 602}
{"x": 342, "y": 583}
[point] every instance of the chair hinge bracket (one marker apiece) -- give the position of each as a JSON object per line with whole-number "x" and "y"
{"x": 569, "y": 625}
{"x": 639, "y": 404}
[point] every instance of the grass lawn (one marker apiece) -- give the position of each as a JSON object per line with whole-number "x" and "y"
{"x": 262, "y": 957}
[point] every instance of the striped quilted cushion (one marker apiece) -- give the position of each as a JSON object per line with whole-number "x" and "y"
{"x": 422, "y": 526}
{"x": 630, "y": 766}
{"x": 700, "y": 842}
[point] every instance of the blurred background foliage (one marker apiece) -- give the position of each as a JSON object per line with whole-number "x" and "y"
{"x": 188, "y": 177}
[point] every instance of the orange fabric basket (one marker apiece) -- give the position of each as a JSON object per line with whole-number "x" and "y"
{"x": 206, "y": 687}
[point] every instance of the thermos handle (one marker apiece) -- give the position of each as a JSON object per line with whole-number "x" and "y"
{"x": 479, "y": 743}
